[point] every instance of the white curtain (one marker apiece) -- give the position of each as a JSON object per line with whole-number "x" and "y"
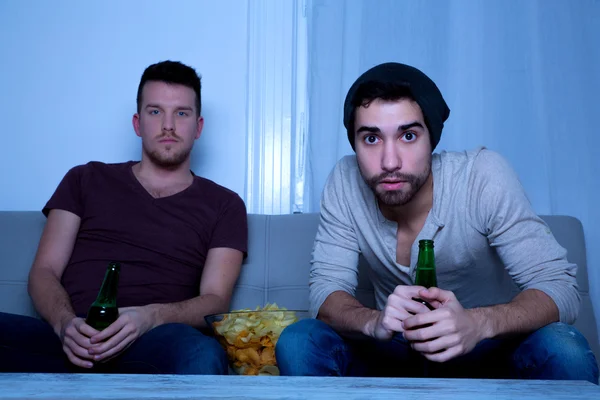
{"x": 521, "y": 77}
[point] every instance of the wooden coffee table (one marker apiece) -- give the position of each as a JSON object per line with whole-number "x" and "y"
{"x": 98, "y": 386}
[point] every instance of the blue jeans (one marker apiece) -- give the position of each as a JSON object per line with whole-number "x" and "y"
{"x": 30, "y": 345}
{"x": 557, "y": 351}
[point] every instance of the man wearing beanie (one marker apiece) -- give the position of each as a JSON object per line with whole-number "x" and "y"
{"x": 394, "y": 192}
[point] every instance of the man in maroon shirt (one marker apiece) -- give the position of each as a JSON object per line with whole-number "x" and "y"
{"x": 180, "y": 240}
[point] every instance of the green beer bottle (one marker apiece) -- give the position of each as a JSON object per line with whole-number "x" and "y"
{"x": 103, "y": 311}
{"x": 425, "y": 271}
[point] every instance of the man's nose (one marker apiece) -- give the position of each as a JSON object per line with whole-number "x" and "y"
{"x": 391, "y": 159}
{"x": 168, "y": 123}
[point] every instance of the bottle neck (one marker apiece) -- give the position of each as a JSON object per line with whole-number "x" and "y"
{"x": 425, "y": 271}
{"x": 426, "y": 258}
{"x": 108, "y": 292}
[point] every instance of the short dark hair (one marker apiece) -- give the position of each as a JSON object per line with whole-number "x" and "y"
{"x": 171, "y": 72}
{"x": 372, "y": 90}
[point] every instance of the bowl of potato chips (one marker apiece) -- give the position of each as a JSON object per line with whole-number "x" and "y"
{"x": 249, "y": 336}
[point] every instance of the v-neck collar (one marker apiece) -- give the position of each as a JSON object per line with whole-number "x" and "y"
{"x": 138, "y": 185}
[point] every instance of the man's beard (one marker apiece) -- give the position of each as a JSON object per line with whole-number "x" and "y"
{"x": 400, "y": 197}
{"x": 168, "y": 160}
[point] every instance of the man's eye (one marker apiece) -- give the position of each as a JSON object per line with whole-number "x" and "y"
{"x": 371, "y": 139}
{"x": 409, "y": 137}
{"x": 182, "y": 113}
{"x": 153, "y": 112}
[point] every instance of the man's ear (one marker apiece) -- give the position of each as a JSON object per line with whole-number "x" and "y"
{"x": 136, "y": 124}
{"x": 200, "y": 126}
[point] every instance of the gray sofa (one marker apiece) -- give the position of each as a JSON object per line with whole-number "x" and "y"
{"x": 276, "y": 269}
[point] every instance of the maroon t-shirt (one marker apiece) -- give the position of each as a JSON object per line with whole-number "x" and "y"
{"x": 161, "y": 243}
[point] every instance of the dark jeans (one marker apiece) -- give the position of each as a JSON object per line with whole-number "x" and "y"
{"x": 30, "y": 345}
{"x": 557, "y": 351}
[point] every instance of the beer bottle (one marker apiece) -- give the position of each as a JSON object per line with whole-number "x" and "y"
{"x": 103, "y": 311}
{"x": 425, "y": 271}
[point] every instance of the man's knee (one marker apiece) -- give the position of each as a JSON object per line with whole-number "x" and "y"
{"x": 304, "y": 335}
{"x": 559, "y": 351}
{"x": 186, "y": 350}
{"x": 562, "y": 342}
{"x": 29, "y": 344}
{"x": 306, "y": 348}
{"x": 199, "y": 354}
{"x": 204, "y": 356}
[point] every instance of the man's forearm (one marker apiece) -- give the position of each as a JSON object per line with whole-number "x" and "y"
{"x": 528, "y": 311}
{"x": 190, "y": 312}
{"x": 50, "y": 298}
{"x": 347, "y": 316}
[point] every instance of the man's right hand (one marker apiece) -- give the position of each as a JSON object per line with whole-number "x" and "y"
{"x": 399, "y": 306}
{"x": 75, "y": 336}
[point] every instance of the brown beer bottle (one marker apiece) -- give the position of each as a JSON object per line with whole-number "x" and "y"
{"x": 425, "y": 272}
{"x": 104, "y": 311}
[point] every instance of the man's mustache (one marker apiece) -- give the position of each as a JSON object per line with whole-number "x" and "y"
{"x": 169, "y": 135}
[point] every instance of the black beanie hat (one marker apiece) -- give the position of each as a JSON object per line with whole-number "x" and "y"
{"x": 424, "y": 91}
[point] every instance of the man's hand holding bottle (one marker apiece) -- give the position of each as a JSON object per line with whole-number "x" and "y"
{"x": 446, "y": 332}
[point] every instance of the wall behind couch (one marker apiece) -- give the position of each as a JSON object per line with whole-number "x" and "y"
{"x": 69, "y": 77}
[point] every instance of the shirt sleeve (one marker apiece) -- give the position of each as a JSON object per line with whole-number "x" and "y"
{"x": 334, "y": 265}
{"x": 68, "y": 194}
{"x": 231, "y": 229}
{"x": 530, "y": 253}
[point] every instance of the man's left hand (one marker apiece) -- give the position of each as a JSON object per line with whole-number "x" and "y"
{"x": 132, "y": 323}
{"x": 446, "y": 332}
